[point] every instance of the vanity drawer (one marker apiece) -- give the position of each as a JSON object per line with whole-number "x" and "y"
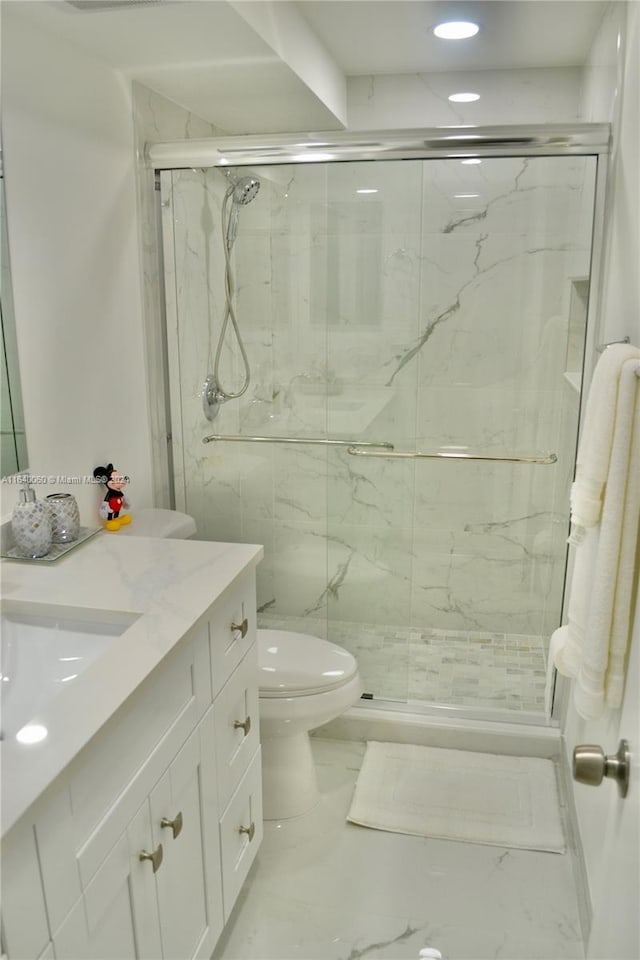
{"x": 232, "y": 629}
{"x": 236, "y": 724}
{"x": 241, "y": 833}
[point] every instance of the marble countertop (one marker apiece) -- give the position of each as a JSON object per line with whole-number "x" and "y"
{"x": 168, "y": 584}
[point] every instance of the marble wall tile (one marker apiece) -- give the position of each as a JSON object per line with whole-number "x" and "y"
{"x": 415, "y": 315}
{"x": 364, "y": 491}
{"x": 375, "y": 578}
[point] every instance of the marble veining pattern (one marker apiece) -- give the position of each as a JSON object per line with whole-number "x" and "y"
{"x": 430, "y": 313}
{"x": 325, "y": 889}
{"x": 456, "y": 668}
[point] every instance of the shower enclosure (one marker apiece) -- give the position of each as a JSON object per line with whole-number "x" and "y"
{"x": 414, "y": 312}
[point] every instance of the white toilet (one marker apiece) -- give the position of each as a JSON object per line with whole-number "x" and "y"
{"x": 304, "y": 682}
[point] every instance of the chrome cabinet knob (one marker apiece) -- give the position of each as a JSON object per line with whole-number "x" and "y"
{"x": 175, "y": 824}
{"x": 155, "y": 857}
{"x": 250, "y": 831}
{"x": 591, "y": 765}
{"x": 243, "y": 725}
{"x": 242, "y": 627}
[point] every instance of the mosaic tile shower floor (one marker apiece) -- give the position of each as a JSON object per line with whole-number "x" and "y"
{"x": 450, "y": 667}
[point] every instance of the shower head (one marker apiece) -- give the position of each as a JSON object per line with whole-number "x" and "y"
{"x": 240, "y": 191}
{"x": 243, "y": 189}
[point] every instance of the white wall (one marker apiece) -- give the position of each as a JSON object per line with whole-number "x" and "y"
{"x": 155, "y": 119}
{"x": 70, "y": 179}
{"x": 611, "y": 93}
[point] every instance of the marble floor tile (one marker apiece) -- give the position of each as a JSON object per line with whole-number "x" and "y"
{"x": 325, "y": 889}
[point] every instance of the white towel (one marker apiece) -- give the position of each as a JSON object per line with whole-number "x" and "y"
{"x": 592, "y": 648}
{"x": 594, "y": 451}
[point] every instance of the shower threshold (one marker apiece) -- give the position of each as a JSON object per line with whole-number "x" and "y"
{"x": 466, "y": 714}
{"x": 450, "y": 729}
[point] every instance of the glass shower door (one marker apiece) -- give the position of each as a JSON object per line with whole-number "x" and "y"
{"x": 448, "y": 318}
{"x": 366, "y": 292}
{"x": 426, "y": 306}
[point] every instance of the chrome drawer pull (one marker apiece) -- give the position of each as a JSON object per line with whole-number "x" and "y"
{"x": 243, "y": 725}
{"x": 175, "y": 824}
{"x": 242, "y": 627}
{"x": 155, "y": 857}
{"x": 250, "y": 831}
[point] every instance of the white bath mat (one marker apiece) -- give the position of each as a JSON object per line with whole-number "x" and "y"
{"x": 459, "y": 795}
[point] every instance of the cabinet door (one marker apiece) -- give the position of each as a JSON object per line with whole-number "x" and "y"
{"x": 24, "y": 918}
{"x": 117, "y": 916}
{"x": 190, "y": 914}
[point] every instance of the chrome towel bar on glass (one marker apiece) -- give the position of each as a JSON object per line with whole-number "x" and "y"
{"x": 362, "y": 448}
{"x": 336, "y": 443}
{"x": 448, "y": 455}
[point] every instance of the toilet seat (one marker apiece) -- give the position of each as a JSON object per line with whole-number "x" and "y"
{"x": 298, "y": 665}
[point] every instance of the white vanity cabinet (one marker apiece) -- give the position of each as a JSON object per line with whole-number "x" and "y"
{"x": 158, "y": 893}
{"x": 139, "y": 848}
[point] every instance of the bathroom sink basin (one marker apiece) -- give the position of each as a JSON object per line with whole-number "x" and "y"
{"x": 45, "y": 648}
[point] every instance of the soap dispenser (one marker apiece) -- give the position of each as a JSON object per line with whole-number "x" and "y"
{"x": 31, "y": 525}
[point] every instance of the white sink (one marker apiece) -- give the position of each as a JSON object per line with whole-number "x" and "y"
{"x": 44, "y": 649}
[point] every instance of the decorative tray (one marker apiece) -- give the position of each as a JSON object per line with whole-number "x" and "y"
{"x": 56, "y": 550}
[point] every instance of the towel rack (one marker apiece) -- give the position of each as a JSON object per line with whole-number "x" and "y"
{"x": 320, "y": 440}
{"x": 446, "y": 455}
{"x": 366, "y": 448}
{"x": 603, "y": 346}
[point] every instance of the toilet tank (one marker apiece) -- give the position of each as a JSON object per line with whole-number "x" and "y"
{"x": 156, "y": 522}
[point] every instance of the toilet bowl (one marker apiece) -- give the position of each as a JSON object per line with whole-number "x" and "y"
{"x": 304, "y": 682}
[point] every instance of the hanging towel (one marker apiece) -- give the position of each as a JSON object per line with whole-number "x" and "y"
{"x": 594, "y": 451}
{"x": 606, "y": 501}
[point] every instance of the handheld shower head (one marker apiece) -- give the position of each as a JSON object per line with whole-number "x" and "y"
{"x": 242, "y": 190}
{"x": 245, "y": 189}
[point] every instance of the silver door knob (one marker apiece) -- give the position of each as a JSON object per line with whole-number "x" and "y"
{"x": 591, "y": 765}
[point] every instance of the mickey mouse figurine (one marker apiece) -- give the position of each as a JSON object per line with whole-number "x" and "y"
{"x": 114, "y": 509}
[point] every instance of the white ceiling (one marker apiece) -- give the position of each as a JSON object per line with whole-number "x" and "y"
{"x": 394, "y": 36}
{"x": 275, "y": 65}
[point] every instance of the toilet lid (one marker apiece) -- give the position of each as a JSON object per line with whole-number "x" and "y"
{"x": 296, "y": 664}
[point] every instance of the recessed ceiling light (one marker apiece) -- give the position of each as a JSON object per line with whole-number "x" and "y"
{"x": 472, "y": 160}
{"x": 456, "y": 30}
{"x": 464, "y": 97}
{"x": 367, "y": 190}
{"x": 465, "y": 196}
{"x": 32, "y": 733}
